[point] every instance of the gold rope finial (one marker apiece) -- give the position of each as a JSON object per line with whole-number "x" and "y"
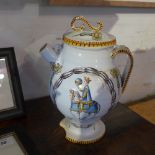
{"x": 96, "y": 30}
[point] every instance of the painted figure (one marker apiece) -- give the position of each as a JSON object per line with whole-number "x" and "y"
{"x": 83, "y": 103}
{"x": 75, "y": 100}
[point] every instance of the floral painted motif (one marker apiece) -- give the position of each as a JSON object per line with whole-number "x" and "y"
{"x": 115, "y": 74}
{"x": 82, "y": 102}
{"x": 56, "y": 67}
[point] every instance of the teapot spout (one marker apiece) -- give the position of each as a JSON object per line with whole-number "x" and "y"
{"x": 49, "y": 54}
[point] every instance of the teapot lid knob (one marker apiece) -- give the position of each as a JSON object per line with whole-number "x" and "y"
{"x": 96, "y": 35}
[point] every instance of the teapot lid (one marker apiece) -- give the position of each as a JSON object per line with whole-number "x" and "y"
{"x": 80, "y": 37}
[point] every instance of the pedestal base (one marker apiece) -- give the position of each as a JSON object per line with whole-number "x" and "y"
{"x": 85, "y": 135}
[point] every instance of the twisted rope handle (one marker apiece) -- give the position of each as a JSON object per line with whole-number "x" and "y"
{"x": 128, "y": 68}
{"x": 96, "y": 34}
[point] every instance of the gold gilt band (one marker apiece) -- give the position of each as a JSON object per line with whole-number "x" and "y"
{"x": 82, "y": 142}
{"x": 88, "y": 44}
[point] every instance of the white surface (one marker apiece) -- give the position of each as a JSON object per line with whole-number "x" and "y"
{"x": 97, "y": 91}
{"x": 94, "y": 132}
{"x": 86, "y": 37}
{"x": 27, "y": 25}
{"x": 6, "y": 92}
{"x": 11, "y": 146}
{"x": 99, "y": 59}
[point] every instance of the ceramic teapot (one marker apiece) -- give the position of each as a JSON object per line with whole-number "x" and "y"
{"x": 86, "y": 83}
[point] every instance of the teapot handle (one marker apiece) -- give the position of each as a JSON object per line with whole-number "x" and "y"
{"x": 129, "y": 65}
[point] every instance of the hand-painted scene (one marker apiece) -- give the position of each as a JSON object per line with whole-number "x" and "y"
{"x": 82, "y": 104}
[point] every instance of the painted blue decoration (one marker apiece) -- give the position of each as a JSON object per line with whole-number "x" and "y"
{"x": 84, "y": 102}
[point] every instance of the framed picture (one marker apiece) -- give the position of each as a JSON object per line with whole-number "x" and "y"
{"x": 15, "y": 141}
{"x": 120, "y": 3}
{"x": 11, "y": 96}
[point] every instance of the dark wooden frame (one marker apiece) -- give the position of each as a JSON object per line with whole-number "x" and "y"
{"x": 119, "y": 3}
{"x": 9, "y": 55}
{"x": 22, "y": 138}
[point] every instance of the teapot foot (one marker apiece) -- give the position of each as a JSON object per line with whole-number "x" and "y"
{"x": 85, "y": 135}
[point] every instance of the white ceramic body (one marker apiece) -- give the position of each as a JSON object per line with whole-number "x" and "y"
{"x": 85, "y": 83}
{"x": 100, "y": 59}
{"x": 84, "y": 103}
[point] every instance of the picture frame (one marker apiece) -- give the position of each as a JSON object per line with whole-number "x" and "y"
{"x": 14, "y": 140}
{"x": 109, "y": 3}
{"x": 11, "y": 96}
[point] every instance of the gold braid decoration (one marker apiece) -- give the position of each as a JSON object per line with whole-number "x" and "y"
{"x": 100, "y": 24}
{"x": 124, "y": 50}
{"x": 96, "y": 34}
{"x": 89, "y": 44}
{"x": 82, "y": 142}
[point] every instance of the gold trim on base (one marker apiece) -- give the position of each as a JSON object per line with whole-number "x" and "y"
{"x": 80, "y": 141}
{"x": 83, "y": 142}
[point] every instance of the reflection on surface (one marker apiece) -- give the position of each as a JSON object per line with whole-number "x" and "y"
{"x": 6, "y": 96}
{"x": 1, "y": 76}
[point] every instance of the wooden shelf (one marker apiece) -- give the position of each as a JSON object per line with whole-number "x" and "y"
{"x": 121, "y": 3}
{"x": 126, "y": 132}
